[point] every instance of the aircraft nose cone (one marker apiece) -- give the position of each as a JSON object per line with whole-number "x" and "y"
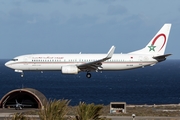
{"x": 7, "y": 64}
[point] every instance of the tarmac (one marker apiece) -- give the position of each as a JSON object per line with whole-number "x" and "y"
{"x": 142, "y": 118}
{"x": 8, "y": 113}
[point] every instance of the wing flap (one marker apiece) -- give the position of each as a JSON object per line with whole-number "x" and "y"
{"x": 94, "y": 65}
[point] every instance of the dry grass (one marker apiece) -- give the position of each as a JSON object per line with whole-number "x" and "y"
{"x": 168, "y": 111}
{"x": 174, "y": 111}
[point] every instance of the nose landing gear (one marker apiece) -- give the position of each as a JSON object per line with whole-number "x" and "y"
{"x": 22, "y": 75}
{"x": 20, "y": 71}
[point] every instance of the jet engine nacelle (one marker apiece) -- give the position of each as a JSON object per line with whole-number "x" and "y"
{"x": 70, "y": 69}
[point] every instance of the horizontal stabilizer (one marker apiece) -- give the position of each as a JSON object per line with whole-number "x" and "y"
{"x": 161, "y": 57}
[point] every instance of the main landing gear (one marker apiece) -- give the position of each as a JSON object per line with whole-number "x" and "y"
{"x": 88, "y": 75}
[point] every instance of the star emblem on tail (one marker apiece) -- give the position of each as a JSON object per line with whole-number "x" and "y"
{"x": 152, "y": 48}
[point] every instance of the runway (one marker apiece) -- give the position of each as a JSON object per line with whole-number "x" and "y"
{"x": 142, "y": 118}
{"x": 8, "y": 113}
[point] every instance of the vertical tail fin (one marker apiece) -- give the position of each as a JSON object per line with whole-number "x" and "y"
{"x": 158, "y": 44}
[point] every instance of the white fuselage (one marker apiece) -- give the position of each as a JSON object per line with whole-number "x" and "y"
{"x": 56, "y": 61}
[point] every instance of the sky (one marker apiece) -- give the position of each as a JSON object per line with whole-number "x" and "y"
{"x": 86, "y": 26}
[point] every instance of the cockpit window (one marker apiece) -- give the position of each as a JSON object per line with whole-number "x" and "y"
{"x": 14, "y": 59}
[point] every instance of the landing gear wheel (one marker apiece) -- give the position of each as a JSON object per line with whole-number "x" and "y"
{"x": 22, "y": 75}
{"x": 88, "y": 75}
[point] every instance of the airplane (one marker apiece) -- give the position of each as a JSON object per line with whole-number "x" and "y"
{"x": 18, "y": 106}
{"x": 151, "y": 54}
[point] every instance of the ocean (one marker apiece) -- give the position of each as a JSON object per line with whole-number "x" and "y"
{"x": 159, "y": 84}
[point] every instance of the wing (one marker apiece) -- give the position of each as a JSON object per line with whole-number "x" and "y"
{"x": 24, "y": 105}
{"x": 96, "y": 65}
{"x": 13, "y": 105}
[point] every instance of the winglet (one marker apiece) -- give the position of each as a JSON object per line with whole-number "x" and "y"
{"x": 110, "y": 52}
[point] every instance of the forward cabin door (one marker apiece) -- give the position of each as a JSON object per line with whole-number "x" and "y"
{"x": 26, "y": 63}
